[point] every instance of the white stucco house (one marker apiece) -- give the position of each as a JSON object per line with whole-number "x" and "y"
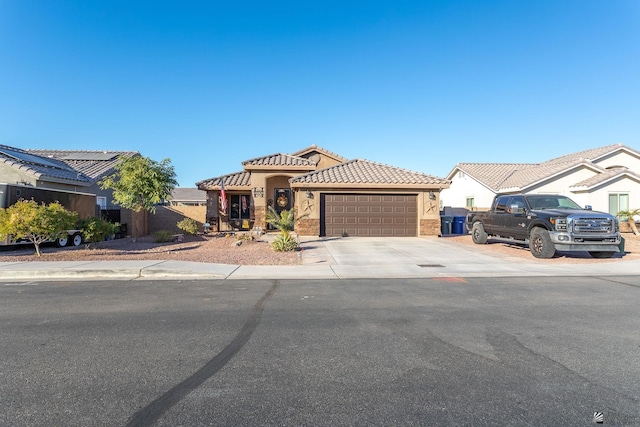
{"x": 606, "y": 178}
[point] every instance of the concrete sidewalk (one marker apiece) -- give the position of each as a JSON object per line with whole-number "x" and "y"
{"x": 330, "y": 258}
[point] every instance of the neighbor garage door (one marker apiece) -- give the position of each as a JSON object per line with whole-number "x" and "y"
{"x": 368, "y": 215}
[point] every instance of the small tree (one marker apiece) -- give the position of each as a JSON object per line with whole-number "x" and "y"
{"x": 283, "y": 221}
{"x": 27, "y": 220}
{"x": 628, "y": 215}
{"x": 140, "y": 183}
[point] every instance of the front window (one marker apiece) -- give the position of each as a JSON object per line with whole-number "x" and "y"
{"x": 470, "y": 202}
{"x": 240, "y": 205}
{"x": 102, "y": 202}
{"x": 618, "y": 202}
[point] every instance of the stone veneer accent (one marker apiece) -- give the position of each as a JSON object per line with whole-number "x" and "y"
{"x": 308, "y": 227}
{"x": 260, "y": 214}
{"x": 430, "y": 227}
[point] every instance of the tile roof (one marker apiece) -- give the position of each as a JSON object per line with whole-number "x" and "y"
{"x": 46, "y": 169}
{"x": 314, "y": 147}
{"x": 188, "y": 194}
{"x": 367, "y": 172}
{"x": 94, "y": 164}
{"x": 503, "y": 176}
{"x": 279, "y": 159}
{"x": 606, "y": 175}
{"x": 591, "y": 154}
{"x": 492, "y": 174}
{"x": 237, "y": 180}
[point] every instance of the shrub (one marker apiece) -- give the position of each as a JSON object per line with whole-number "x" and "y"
{"x": 96, "y": 229}
{"x": 284, "y": 243}
{"x": 162, "y": 236}
{"x": 188, "y": 225}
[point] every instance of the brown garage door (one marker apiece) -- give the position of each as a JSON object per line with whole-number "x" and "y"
{"x": 368, "y": 215}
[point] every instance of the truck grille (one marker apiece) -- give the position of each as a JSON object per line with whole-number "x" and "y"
{"x": 593, "y": 225}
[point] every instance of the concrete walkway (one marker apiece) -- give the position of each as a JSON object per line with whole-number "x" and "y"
{"x": 332, "y": 258}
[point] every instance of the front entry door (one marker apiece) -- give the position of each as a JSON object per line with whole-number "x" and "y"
{"x": 282, "y": 199}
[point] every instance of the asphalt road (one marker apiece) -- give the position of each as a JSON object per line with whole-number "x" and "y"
{"x": 484, "y": 351}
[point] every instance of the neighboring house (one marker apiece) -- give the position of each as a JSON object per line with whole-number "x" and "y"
{"x": 604, "y": 178}
{"x": 335, "y": 196}
{"x": 93, "y": 165}
{"x": 71, "y": 170}
{"x": 183, "y": 196}
{"x": 19, "y": 166}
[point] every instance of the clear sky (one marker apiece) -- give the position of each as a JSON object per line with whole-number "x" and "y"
{"x": 421, "y": 85}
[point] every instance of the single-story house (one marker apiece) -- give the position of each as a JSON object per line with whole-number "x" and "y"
{"x": 605, "y": 178}
{"x": 333, "y": 195}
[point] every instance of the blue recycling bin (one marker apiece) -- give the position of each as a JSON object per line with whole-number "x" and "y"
{"x": 445, "y": 224}
{"x": 457, "y": 225}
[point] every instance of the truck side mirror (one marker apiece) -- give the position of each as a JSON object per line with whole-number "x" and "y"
{"x": 588, "y": 207}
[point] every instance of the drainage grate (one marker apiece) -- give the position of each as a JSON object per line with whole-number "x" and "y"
{"x": 429, "y": 265}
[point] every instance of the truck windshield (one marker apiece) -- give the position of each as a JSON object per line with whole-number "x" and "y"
{"x": 551, "y": 202}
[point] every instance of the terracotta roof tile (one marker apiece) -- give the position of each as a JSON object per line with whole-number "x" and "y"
{"x": 236, "y": 180}
{"x": 607, "y": 175}
{"x": 314, "y": 147}
{"x": 590, "y": 154}
{"x": 492, "y": 174}
{"x": 279, "y": 159}
{"x": 366, "y": 172}
{"x": 503, "y": 176}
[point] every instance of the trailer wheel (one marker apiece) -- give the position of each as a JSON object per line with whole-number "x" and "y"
{"x": 61, "y": 242}
{"x": 540, "y": 243}
{"x": 478, "y": 235}
{"x": 76, "y": 239}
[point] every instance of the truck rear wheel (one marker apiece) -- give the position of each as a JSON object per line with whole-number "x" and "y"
{"x": 540, "y": 243}
{"x": 601, "y": 254}
{"x": 478, "y": 235}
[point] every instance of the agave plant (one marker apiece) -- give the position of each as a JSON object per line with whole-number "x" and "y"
{"x": 629, "y": 216}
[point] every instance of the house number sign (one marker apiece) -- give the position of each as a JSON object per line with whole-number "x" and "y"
{"x": 258, "y": 192}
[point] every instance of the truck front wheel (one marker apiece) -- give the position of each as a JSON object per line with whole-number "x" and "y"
{"x": 601, "y": 254}
{"x": 540, "y": 243}
{"x": 478, "y": 235}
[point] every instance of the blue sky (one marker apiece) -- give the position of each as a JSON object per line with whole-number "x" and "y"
{"x": 421, "y": 85}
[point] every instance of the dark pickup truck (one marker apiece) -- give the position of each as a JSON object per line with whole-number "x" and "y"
{"x": 547, "y": 223}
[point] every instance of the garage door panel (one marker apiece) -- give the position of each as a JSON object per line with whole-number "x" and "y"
{"x": 370, "y": 215}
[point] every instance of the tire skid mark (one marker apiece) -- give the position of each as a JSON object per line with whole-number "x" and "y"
{"x": 152, "y": 412}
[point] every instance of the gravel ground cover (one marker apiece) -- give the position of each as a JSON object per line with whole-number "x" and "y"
{"x": 225, "y": 249}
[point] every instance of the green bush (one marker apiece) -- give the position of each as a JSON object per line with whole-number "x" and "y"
{"x": 162, "y": 236}
{"x": 96, "y": 229}
{"x": 284, "y": 243}
{"x": 188, "y": 225}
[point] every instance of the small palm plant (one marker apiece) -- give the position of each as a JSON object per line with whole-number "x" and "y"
{"x": 629, "y": 217}
{"x": 283, "y": 221}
